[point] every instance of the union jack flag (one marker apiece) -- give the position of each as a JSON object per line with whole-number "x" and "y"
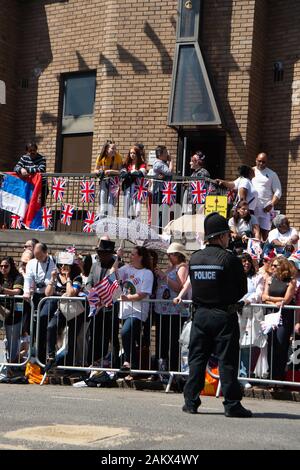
{"x": 15, "y": 222}
{"x": 88, "y": 222}
{"x": 211, "y": 188}
{"x": 169, "y": 193}
{"x": 114, "y": 186}
{"x": 141, "y": 189}
{"x": 67, "y": 214}
{"x": 231, "y": 195}
{"x": 58, "y": 188}
{"x": 198, "y": 192}
{"x": 87, "y": 191}
{"x": 71, "y": 249}
{"x": 47, "y": 217}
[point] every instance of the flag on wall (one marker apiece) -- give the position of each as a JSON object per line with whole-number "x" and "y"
{"x": 47, "y": 217}
{"x": 15, "y": 222}
{"x": 88, "y": 222}
{"x": 67, "y": 214}
{"x": 141, "y": 189}
{"x": 58, "y": 188}
{"x": 114, "y": 186}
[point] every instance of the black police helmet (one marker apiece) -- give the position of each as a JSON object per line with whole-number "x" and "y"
{"x": 214, "y": 225}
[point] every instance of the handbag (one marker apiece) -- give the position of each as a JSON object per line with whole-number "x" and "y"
{"x": 71, "y": 309}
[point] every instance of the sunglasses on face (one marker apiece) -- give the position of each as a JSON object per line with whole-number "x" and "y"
{"x": 4, "y": 266}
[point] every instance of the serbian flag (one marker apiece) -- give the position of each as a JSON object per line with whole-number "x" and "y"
{"x": 22, "y": 196}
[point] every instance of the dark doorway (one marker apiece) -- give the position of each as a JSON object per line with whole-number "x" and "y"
{"x": 211, "y": 143}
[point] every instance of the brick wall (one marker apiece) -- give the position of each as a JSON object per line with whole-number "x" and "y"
{"x": 8, "y": 61}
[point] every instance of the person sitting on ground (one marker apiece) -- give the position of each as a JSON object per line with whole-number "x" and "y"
{"x": 282, "y": 238}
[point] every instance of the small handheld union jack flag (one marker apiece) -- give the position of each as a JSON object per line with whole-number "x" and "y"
{"x": 198, "y": 192}
{"x": 88, "y": 222}
{"x": 114, "y": 186}
{"x": 47, "y": 217}
{"x": 67, "y": 214}
{"x": 58, "y": 188}
{"x": 169, "y": 193}
{"x": 231, "y": 195}
{"x": 87, "y": 191}
{"x": 15, "y": 222}
{"x": 141, "y": 189}
{"x": 71, "y": 249}
{"x": 211, "y": 188}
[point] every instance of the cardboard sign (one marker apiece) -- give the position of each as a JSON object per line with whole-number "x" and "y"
{"x": 63, "y": 257}
{"x": 216, "y": 204}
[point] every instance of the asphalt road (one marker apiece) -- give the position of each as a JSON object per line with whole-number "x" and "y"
{"x": 57, "y": 417}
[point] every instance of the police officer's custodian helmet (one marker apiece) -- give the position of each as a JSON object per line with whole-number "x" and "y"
{"x": 214, "y": 225}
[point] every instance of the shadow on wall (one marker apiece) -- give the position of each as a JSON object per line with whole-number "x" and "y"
{"x": 215, "y": 48}
{"x": 282, "y": 97}
{"x": 127, "y": 57}
{"x": 166, "y": 61}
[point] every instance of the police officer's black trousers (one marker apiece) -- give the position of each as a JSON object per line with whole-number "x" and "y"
{"x": 214, "y": 331}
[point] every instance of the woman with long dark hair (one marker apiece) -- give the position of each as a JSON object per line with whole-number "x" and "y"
{"x": 243, "y": 225}
{"x": 244, "y": 187}
{"x": 11, "y": 284}
{"x": 136, "y": 281}
{"x": 133, "y": 171}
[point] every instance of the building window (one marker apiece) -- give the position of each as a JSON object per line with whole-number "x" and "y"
{"x": 79, "y": 95}
{"x": 189, "y": 19}
{"x": 78, "y": 103}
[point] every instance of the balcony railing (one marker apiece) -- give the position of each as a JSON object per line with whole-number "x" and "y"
{"x": 79, "y": 196}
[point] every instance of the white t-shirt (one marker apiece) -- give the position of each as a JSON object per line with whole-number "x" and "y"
{"x": 266, "y": 183}
{"x": 135, "y": 281}
{"x": 242, "y": 226}
{"x": 283, "y": 237}
{"x": 242, "y": 182}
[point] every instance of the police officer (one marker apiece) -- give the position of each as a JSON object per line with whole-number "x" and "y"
{"x": 218, "y": 282}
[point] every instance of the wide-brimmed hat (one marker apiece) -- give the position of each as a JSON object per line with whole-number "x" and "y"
{"x": 176, "y": 248}
{"x": 106, "y": 246}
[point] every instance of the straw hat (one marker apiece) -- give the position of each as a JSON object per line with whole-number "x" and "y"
{"x": 176, "y": 248}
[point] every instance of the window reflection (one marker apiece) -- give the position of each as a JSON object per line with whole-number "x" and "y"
{"x": 79, "y": 95}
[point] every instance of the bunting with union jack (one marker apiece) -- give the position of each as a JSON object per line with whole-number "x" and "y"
{"x": 169, "y": 193}
{"x": 58, "y": 188}
{"x": 67, "y": 214}
{"x": 88, "y": 222}
{"x": 114, "y": 186}
{"x": 87, "y": 191}
{"x": 47, "y": 218}
{"x": 198, "y": 192}
{"x": 141, "y": 189}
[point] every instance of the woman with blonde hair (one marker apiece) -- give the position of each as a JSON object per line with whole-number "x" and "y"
{"x": 280, "y": 289}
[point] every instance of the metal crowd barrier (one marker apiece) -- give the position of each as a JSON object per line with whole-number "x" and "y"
{"x": 16, "y": 330}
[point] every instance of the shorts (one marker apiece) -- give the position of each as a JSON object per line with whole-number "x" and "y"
{"x": 264, "y": 218}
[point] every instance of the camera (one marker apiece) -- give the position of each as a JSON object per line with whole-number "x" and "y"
{"x": 40, "y": 285}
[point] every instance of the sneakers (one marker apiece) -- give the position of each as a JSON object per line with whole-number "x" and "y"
{"x": 192, "y": 411}
{"x": 239, "y": 412}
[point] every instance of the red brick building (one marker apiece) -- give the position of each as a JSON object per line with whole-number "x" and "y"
{"x": 118, "y": 57}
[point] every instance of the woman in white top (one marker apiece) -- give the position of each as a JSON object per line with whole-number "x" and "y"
{"x": 251, "y": 338}
{"x": 169, "y": 317}
{"x": 136, "y": 281}
{"x": 244, "y": 187}
{"x": 243, "y": 225}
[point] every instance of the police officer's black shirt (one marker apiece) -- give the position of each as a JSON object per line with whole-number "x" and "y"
{"x": 217, "y": 277}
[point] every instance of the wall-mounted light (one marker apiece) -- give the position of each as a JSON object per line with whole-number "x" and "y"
{"x": 188, "y": 4}
{"x": 278, "y": 71}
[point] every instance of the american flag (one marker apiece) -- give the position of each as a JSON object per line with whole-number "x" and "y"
{"x": 15, "y": 222}
{"x": 141, "y": 189}
{"x": 231, "y": 195}
{"x": 67, "y": 214}
{"x": 198, "y": 192}
{"x": 87, "y": 191}
{"x": 58, "y": 188}
{"x": 169, "y": 193}
{"x": 114, "y": 186}
{"x": 47, "y": 217}
{"x": 254, "y": 248}
{"x": 106, "y": 288}
{"x": 88, "y": 222}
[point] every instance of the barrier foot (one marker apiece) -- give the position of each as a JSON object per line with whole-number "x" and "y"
{"x": 169, "y": 383}
{"x": 44, "y": 378}
{"x": 218, "y": 389}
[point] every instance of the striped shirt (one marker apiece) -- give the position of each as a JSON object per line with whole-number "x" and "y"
{"x": 37, "y": 165}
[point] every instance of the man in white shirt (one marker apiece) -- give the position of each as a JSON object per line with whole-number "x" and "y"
{"x": 268, "y": 187}
{"x": 38, "y": 272}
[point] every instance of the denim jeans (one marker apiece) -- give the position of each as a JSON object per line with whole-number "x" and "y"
{"x": 130, "y": 334}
